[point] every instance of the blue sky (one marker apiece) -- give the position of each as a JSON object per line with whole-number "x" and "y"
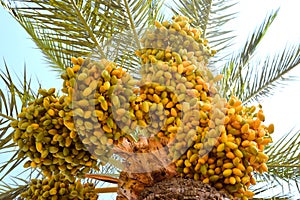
{"x": 281, "y": 109}
{"x": 17, "y": 49}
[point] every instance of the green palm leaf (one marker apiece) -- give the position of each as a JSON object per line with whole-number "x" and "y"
{"x": 140, "y": 16}
{"x": 250, "y": 80}
{"x": 12, "y": 98}
{"x": 274, "y": 71}
{"x": 284, "y": 156}
{"x": 62, "y": 29}
{"x": 241, "y": 65}
{"x": 12, "y": 192}
{"x": 283, "y": 164}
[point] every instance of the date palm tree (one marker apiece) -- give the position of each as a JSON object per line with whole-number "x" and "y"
{"x": 77, "y": 28}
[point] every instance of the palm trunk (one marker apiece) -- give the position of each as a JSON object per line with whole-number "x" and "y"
{"x": 139, "y": 182}
{"x": 179, "y": 188}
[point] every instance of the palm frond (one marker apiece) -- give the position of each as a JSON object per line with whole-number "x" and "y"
{"x": 62, "y": 29}
{"x": 272, "y": 187}
{"x": 14, "y": 185}
{"x": 283, "y": 175}
{"x": 137, "y": 14}
{"x": 273, "y": 72}
{"x": 284, "y": 156}
{"x": 240, "y": 64}
{"x": 140, "y": 16}
{"x": 12, "y": 192}
{"x": 254, "y": 40}
{"x": 12, "y": 98}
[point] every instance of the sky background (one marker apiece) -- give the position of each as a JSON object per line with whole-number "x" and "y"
{"x": 282, "y": 108}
